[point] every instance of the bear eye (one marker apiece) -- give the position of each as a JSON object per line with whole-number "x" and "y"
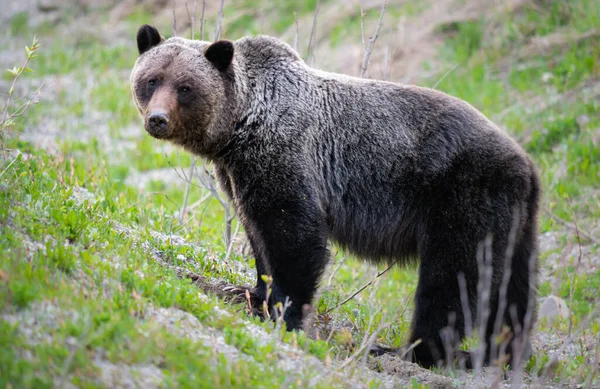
{"x": 184, "y": 89}
{"x": 152, "y": 83}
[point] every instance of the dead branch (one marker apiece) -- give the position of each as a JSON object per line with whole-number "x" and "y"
{"x": 208, "y": 181}
{"x": 193, "y": 164}
{"x": 230, "y": 247}
{"x": 502, "y": 301}
{"x": 445, "y": 75}
{"x": 365, "y": 286}
{"x": 572, "y": 276}
{"x": 297, "y": 31}
{"x": 582, "y": 233}
{"x": 202, "y": 20}
{"x": 368, "y": 49}
{"x": 313, "y": 31}
{"x": 174, "y": 18}
{"x": 219, "y": 21}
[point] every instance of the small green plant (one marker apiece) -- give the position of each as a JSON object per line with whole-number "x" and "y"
{"x": 9, "y": 114}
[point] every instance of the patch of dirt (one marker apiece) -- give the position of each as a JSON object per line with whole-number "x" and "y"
{"x": 395, "y": 366}
{"x": 585, "y": 258}
{"x": 129, "y": 376}
{"x": 167, "y": 175}
{"x": 403, "y": 46}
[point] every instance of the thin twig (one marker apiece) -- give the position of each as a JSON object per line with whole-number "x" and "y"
{"x": 466, "y": 307}
{"x": 502, "y": 300}
{"x": 484, "y": 265}
{"x": 192, "y": 18}
{"x": 445, "y": 75}
{"x": 9, "y": 165}
{"x": 174, "y": 18}
{"x": 202, "y": 20}
{"x": 313, "y": 31}
{"x": 219, "y": 21}
{"x": 199, "y": 202}
{"x": 369, "y": 49}
{"x": 297, "y": 31}
{"x": 365, "y": 286}
{"x": 362, "y": 27}
{"x": 230, "y": 247}
{"x": 571, "y": 281}
{"x": 586, "y": 235}
{"x": 385, "y": 73}
{"x": 365, "y": 344}
{"x": 207, "y": 180}
{"x": 187, "y": 190}
{"x": 340, "y": 263}
{"x": 30, "y": 54}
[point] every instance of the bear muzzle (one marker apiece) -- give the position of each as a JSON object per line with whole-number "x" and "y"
{"x": 157, "y": 124}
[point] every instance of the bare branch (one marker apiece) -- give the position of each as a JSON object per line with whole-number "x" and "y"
{"x": 230, "y": 247}
{"x": 9, "y": 165}
{"x": 190, "y": 176}
{"x": 369, "y": 49}
{"x": 174, "y": 18}
{"x": 365, "y": 286}
{"x": 202, "y": 20}
{"x": 484, "y": 265}
{"x": 362, "y": 26}
{"x": 584, "y": 234}
{"x": 385, "y": 73}
{"x": 340, "y": 263}
{"x": 367, "y": 342}
{"x": 192, "y": 18}
{"x": 297, "y": 31}
{"x": 464, "y": 300}
{"x": 219, "y": 21}
{"x": 313, "y": 31}
{"x": 574, "y": 274}
{"x": 208, "y": 181}
{"x": 187, "y": 190}
{"x": 502, "y": 300}
{"x": 445, "y": 75}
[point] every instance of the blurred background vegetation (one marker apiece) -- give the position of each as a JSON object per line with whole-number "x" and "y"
{"x": 78, "y": 168}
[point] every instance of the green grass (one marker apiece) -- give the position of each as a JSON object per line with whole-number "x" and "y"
{"x": 74, "y": 264}
{"x": 19, "y": 23}
{"x": 58, "y": 59}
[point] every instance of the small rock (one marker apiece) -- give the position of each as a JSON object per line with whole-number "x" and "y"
{"x": 81, "y": 194}
{"x": 549, "y": 241}
{"x": 546, "y": 77}
{"x": 582, "y": 120}
{"x": 553, "y": 307}
{"x": 48, "y": 5}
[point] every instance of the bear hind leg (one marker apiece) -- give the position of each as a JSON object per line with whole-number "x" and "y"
{"x": 439, "y": 324}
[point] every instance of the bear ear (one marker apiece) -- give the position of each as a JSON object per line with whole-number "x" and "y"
{"x": 147, "y": 38}
{"x": 220, "y": 54}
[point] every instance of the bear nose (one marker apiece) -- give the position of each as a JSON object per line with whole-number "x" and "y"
{"x": 157, "y": 123}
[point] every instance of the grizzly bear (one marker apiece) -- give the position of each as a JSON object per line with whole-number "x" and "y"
{"x": 392, "y": 173}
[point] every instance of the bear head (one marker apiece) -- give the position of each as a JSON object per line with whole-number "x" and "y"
{"x": 178, "y": 87}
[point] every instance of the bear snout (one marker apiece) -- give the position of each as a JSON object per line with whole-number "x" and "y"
{"x": 158, "y": 124}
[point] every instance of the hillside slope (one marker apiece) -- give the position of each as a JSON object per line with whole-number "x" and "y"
{"x": 105, "y": 282}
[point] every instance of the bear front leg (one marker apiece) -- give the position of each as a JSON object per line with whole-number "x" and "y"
{"x": 289, "y": 239}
